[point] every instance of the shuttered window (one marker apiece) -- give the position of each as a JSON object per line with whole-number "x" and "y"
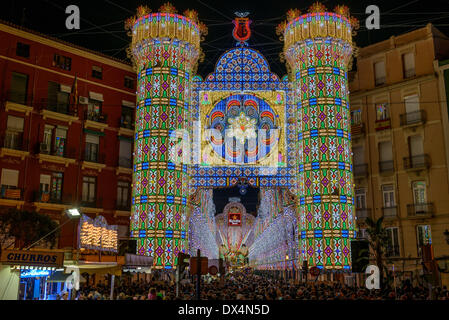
{"x": 10, "y": 178}
{"x": 379, "y": 73}
{"x": 408, "y": 62}
{"x": 385, "y": 151}
{"x": 18, "y": 91}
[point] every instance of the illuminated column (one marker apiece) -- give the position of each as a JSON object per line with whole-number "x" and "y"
{"x": 318, "y": 48}
{"x": 165, "y": 47}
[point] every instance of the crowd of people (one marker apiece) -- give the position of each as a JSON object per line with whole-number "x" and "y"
{"x": 250, "y": 286}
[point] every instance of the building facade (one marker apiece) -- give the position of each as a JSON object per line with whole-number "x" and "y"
{"x": 400, "y": 144}
{"x": 57, "y": 154}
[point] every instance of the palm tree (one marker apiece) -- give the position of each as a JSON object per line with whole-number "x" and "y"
{"x": 379, "y": 243}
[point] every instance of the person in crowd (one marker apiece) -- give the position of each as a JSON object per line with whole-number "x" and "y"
{"x": 254, "y": 286}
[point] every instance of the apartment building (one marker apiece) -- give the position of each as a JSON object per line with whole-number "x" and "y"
{"x": 57, "y": 154}
{"x": 400, "y": 145}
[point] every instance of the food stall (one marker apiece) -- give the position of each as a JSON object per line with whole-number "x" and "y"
{"x": 24, "y": 274}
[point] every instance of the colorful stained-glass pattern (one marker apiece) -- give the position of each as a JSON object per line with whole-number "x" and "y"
{"x": 326, "y": 211}
{"x": 159, "y": 198}
{"x": 242, "y": 118}
{"x": 266, "y": 98}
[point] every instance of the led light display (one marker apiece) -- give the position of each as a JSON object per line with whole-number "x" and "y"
{"x": 318, "y": 48}
{"x": 165, "y": 47}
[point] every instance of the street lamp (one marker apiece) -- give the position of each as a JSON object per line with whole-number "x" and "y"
{"x": 73, "y": 213}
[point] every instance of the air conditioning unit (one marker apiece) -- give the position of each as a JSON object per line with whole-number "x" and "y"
{"x": 83, "y": 100}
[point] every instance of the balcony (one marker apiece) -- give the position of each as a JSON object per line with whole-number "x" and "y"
{"x": 360, "y": 170}
{"x": 125, "y": 162}
{"x": 357, "y": 130}
{"x": 380, "y": 81}
{"x": 11, "y": 196}
{"x": 57, "y": 111}
{"x": 386, "y": 167}
{"x": 18, "y": 101}
{"x": 13, "y": 144}
{"x": 419, "y": 162}
{"x": 381, "y": 125}
{"x": 45, "y": 153}
{"x": 92, "y": 206}
{"x": 413, "y": 118}
{"x": 124, "y": 166}
{"x": 50, "y": 201}
{"x": 94, "y": 161}
{"x": 392, "y": 251}
{"x": 95, "y": 120}
{"x": 409, "y": 73}
{"x": 420, "y": 210}
{"x": 362, "y": 213}
{"x": 389, "y": 212}
{"x": 126, "y": 127}
{"x": 122, "y": 209}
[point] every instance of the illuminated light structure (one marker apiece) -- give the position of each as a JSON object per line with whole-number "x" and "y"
{"x": 202, "y": 226}
{"x": 318, "y": 48}
{"x": 165, "y": 49}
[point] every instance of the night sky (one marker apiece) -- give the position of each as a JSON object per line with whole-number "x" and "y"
{"x": 102, "y": 22}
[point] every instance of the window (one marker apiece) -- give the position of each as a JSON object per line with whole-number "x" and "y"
{"x": 56, "y": 186}
{"x": 19, "y": 85}
{"x": 89, "y": 189}
{"x": 416, "y": 146}
{"x": 356, "y": 117}
{"x": 97, "y": 72}
{"x": 60, "y": 141}
{"x": 47, "y": 140}
{"x": 51, "y": 187}
{"x": 23, "y": 50}
{"x": 393, "y": 245}
{"x": 94, "y": 109}
{"x": 14, "y": 133}
{"x": 123, "y": 188}
{"x": 412, "y": 109}
{"x": 386, "y": 164}
{"x": 382, "y": 112}
{"x": 62, "y": 62}
{"x": 359, "y": 155}
{"x": 9, "y": 183}
{"x": 129, "y": 82}
{"x": 92, "y": 148}
{"x": 58, "y": 97}
{"x": 408, "y": 64}
{"x": 423, "y": 237}
{"x": 127, "y": 120}
{"x": 419, "y": 192}
{"x": 44, "y": 187}
{"x": 388, "y": 196}
{"x": 360, "y": 198}
{"x": 125, "y": 154}
{"x": 379, "y": 73}
{"x": 10, "y": 178}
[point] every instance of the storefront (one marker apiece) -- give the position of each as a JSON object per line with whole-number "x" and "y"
{"x": 137, "y": 268}
{"x": 24, "y": 274}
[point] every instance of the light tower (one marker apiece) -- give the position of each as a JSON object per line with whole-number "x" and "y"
{"x": 318, "y": 48}
{"x": 165, "y": 47}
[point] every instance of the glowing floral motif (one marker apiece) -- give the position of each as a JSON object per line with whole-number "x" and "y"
{"x": 242, "y": 128}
